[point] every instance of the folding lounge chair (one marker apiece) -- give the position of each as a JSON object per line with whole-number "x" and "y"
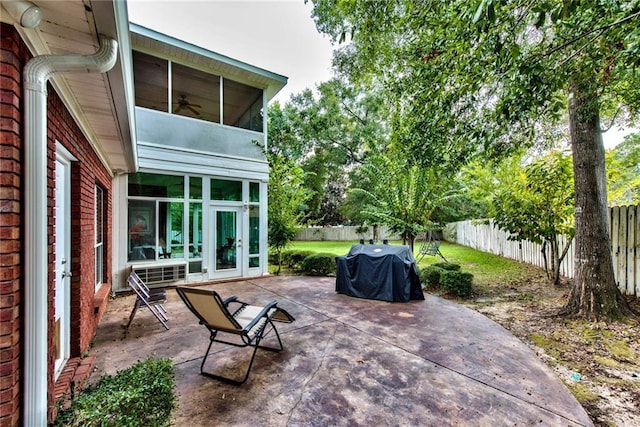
{"x": 234, "y": 317}
{"x": 150, "y": 298}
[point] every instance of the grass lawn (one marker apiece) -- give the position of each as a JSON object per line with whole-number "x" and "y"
{"x": 487, "y": 269}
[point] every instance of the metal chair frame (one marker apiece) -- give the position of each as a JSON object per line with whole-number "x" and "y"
{"x": 245, "y": 321}
{"x": 149, "y": 298}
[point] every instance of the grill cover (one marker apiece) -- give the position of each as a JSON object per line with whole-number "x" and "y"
{"x": 383, "y": 272}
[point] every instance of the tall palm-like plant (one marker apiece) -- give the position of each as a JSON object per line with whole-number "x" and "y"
{"x": 401, "y": 195}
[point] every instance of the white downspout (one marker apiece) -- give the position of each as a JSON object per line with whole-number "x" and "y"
{"x": 36, "y": 74}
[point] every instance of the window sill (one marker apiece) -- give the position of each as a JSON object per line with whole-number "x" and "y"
{"x": 100, "y": 298}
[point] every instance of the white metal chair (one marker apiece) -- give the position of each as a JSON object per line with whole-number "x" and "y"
{"x": 149, "y": 298}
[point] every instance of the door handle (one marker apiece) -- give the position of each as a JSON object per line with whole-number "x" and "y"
{"x": 66, "y": 274}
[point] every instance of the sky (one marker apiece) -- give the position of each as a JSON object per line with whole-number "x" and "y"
{"x": 276, "y": 35}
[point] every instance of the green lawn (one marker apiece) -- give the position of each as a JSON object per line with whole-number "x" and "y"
{"x": 487, "y": 269}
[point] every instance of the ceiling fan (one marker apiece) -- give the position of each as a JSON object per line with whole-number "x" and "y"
{"x": 183, "y": 103}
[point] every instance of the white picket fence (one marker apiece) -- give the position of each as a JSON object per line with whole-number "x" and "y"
{"x": 625, "y": 245}
{"x": 346, "y": 233}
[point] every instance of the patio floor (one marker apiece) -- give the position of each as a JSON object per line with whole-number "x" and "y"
{"x": 347, "y": 361}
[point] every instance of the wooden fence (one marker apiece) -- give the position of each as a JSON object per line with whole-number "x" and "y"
{"x": 625, "y": 245}
{"x": 346, "y": 233}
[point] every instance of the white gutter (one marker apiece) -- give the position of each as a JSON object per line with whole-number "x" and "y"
{"x": 36, "y": 74}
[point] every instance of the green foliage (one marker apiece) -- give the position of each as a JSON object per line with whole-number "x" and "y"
{"x": 142, "y": 395}
{"x": 459, "y": 283}
{"x": 287, "y": 198}
{"x": 319, "y": 264}
{"x": 449, "y": 266}
{"x": 448, "y": 277}
{"x": 400, "y": 194}
{"x": 537, "y": 205}
{"x": 361, "y": 230}
{"x": 294, "y": 259}
{"x": 327, "y": 133}
{"x": 430, "y": 277}
{"x": 623, "y": 172}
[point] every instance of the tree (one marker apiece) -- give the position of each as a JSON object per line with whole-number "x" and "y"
{"x": 401, "y": 195}
{"x": 287, "y": 195}
{"x": 478, "y": 77}
{"x": 332, "y": 131}
{"x": 537, "y": 205}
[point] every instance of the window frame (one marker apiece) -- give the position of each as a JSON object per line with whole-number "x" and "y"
{"x": 99, "y": 229}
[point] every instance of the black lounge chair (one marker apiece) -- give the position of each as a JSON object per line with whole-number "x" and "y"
{"x": 150, "y": 298}
{"x": 249, "y": 322}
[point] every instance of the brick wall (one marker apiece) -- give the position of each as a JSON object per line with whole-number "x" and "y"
{"x": 87, "y": 306}
{"x": 86, "y": 173}
{"x": 13, "y": 56}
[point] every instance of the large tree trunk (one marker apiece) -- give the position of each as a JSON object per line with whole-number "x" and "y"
{"x": 595, "y": 294}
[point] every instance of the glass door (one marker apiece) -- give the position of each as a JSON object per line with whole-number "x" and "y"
{"x": 228, "y": 241}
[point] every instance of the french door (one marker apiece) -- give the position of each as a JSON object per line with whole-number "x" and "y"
{"x": 227, "y": 238}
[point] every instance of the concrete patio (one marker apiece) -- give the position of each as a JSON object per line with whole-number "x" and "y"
{"x": 347, "y": 362}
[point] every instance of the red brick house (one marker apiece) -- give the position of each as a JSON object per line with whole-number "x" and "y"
{"x": 66, "y": 109}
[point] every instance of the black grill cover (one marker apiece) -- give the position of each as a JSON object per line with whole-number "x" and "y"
{"x": 383, "y": 272}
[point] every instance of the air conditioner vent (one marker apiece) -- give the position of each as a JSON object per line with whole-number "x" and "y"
{"x": 160, "y": 274}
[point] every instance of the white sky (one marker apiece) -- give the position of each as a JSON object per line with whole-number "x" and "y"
{"x": 276, "y": 35}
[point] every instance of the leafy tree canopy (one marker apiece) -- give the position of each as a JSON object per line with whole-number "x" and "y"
{"x": 475, "y": 77}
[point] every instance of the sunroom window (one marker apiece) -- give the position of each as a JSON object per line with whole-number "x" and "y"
{"x": 156, "y": 216}
{"x": 164, "y": 222}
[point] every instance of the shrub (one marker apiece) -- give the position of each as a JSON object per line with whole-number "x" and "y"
{"x": 295, "y": 258}
{"x": 273, "y": 257}
{"x": 142, "y": 395}
{"x": 319, "y": 264}
{"x": 456, "y": 282}
{"x": 430, "y": 277}
{"x": 449, "y": 266}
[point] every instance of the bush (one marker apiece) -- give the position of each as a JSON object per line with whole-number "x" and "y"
{"x": 141, "y": 395}
{"x": 430, "y": 277}
{"x": 295, "y": 258}
{"x": 319, "y": 264}
{"x": 456, "y": 282}
{"x": 273, "y": 257}
{"x": 449, "y": 266}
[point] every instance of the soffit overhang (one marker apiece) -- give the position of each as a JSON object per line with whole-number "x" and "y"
{"x": 102, "y": 104}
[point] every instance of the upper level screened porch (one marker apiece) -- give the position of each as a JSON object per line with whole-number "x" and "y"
{"x": 190, "y": 98}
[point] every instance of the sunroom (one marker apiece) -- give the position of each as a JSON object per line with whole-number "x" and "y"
{"x": 196, "y": 210}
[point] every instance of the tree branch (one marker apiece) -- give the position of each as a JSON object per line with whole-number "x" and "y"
{"x": 602, "y": 29}
{"x": 356, "y": 116}
{"x": 613, "y": 121}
